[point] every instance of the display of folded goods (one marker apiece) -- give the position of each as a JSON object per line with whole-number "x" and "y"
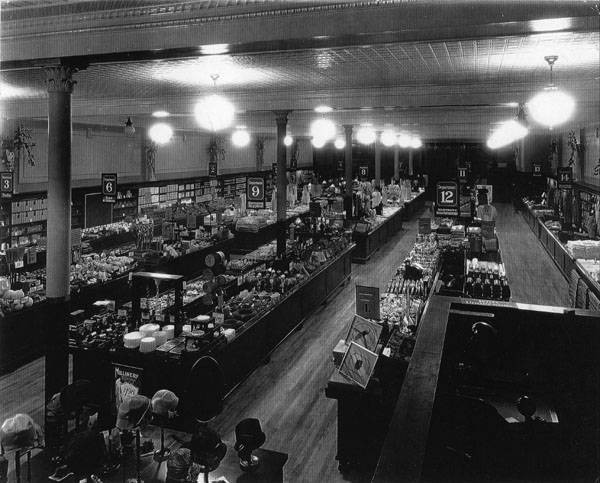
{"x": 584, "y": 249}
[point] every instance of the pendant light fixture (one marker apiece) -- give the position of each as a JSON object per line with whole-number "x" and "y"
{"x": 551, "y": 107}
{"x": 160, "y": 133}
{"x": 214, "y": 112}
{"x": 128, "y": 129}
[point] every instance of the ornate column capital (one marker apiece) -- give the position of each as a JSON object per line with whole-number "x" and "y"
{"x": 59, "y": 78}
{"x": 348, "y": 128}
{"x": 281, "y": 117}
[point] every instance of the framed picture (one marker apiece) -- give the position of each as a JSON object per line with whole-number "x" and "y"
{"x": 358, "y": 364}
{"x": 364, "y": 332}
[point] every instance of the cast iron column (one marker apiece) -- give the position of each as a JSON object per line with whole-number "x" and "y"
{"x": 348, "y": 158}
{"x": 59, "y": 81}
{"x": 396, "y": 162}
{"x": 378, "y": 159}
{"x": 410, "y": 161}
{"x": 281, "y": 118}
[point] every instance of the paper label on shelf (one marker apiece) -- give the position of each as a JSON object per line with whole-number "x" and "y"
{"x": 19, "y": 264}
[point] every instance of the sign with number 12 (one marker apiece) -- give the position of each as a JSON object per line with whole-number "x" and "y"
{"x": 447, "y": 199}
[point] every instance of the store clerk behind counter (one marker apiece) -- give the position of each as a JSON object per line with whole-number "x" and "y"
{"x": 485, "y": 211}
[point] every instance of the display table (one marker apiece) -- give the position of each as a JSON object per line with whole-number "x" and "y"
{"x": 250, "y": 240}
{"x": 270, "y": 469}
{"x": 368, "y": 243}
{"x": 252, "y": 345}
{"x": 363, "y": 415}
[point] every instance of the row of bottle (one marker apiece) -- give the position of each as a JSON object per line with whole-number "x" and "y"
{"x": 487, "y": 287}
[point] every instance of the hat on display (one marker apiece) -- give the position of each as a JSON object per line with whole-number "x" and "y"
{"x": 164, "y": 403}
{"x": 74, "y": 396}
{"x": 19, "y": 432}
{"x": 207, "y": 449}
{"x": 132, "y": 412}
{"x": 249, "y": 435}
{"x": 178, "y": 465}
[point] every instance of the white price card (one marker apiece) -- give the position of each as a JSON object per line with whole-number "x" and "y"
{"x": 19, "y": 264}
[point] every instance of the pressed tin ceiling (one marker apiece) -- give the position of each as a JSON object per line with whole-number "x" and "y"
{"x": 473, "y": 73}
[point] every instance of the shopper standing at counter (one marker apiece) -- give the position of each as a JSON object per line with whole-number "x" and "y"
{"x": 485, "y": 211}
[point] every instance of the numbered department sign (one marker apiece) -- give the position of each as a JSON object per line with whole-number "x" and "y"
{"x": 363, "y": 172}
{"x": 447, "y": 199}
{"x": 293, "y": 163}
{"x": 462, "y": 173}
{"x": 340, "y": 164}
{"x": 274, "y": 170}
{"x": 255, "y": 193}
{"x": 565, "y": 178}
{"x": 537, "y": 169}
{"x": 6, "y": 184}
{"x": 212, "y": 169}
{"x": 109, "y": 187}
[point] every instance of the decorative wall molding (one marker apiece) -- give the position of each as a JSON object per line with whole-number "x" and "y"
{"x": 190, "y": 13}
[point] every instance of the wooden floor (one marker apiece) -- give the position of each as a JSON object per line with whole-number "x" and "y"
{"x": 287, "y": 394}
{"x": 532, "y": 274}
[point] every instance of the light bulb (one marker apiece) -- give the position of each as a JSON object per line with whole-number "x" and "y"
{"x": 404, "y": 141}
{"x": 318, "y": 142}
{"x": 214, "y": 113}
{"x": 551, "y": 107}
{"x": 323, "y": 109}
{"x": 388, "y": 138}
{"x": 415, "y": 142}
{"x": 506, "y": 133}
{"x": 160, "y": 133}
{"x": 323, "y": 129}
{"x": 366, "y": 135}
{"x": 340, "y": 143}
{"x": 288, "y": 140}
{"x": 240, "y": 138}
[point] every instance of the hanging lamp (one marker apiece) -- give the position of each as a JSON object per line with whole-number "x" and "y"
{"x": 214, "y": 112}
{"x": 551, "y": 107}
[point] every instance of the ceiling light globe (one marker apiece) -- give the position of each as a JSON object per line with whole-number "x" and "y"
{"x": 404, "y": 141}
{"x": 288, "y": 140}
{"x": 160, "y": 133}
{"x": 388, "y": 138}
{"x": 240, "y": 138}
{"x": 318, "y": 142}
{"x": 415, "y": 142}
{"x": 366, "y": 135}
{"x": 340, "y": 143}
{"x": 551, "y": 107}
{"x": 214, "y": 113}
{"x": 323, "y": 129}
{"x": 160, "y": 114}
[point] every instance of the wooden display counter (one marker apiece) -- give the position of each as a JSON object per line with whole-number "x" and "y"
{"x": 413, "y": 206}
{"x": 368, "y": 243}
{"x": 22, "y": 332}
{"x": 528, "y": 334}
{"x": 557, "y": 250}
{"x": 252, "y": 345}
{"x": 250, "y": 240}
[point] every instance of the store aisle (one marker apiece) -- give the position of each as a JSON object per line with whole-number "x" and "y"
{"x": 288, "y": 394}
{"x": 533, "y": 276}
